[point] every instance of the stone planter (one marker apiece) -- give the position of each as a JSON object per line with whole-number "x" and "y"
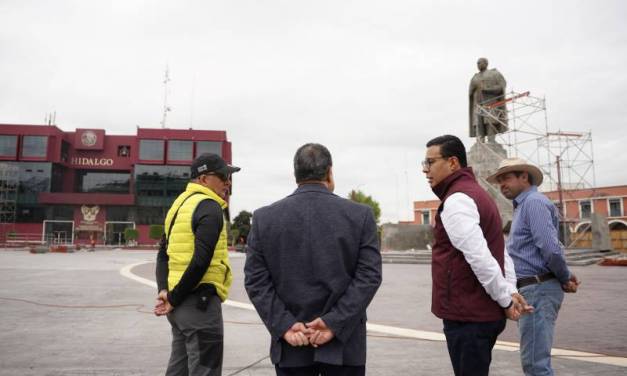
{"x": 37, "y": 248}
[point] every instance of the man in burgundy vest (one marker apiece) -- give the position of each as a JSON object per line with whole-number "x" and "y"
{"x": 474, "y": 283}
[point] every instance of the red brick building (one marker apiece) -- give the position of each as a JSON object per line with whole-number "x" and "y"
{"x": 579, "y": 204}
{"x": 75, "y": 186}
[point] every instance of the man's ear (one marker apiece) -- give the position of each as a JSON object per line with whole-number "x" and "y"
{"x": 454, "y": 163}
{"x": 330, "y": 180}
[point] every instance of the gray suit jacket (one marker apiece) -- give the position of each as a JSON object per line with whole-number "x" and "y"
{"x": 314, "y": 254}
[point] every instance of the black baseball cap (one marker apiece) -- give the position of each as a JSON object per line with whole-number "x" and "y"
{"x": 209, "y": 162}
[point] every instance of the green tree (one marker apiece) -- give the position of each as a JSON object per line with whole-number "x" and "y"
{"x": 233, "y": 236}
{"x": 155, "y": 232}
{"x": 362, "y": 198}
{"x": 241, "y": 223}
{"x": 131, "y": 235}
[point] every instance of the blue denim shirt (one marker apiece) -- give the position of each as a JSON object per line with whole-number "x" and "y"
{"x": 533, "y": 242}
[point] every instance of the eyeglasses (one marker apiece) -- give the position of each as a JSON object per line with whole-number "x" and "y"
{"x": 426, "y": 164}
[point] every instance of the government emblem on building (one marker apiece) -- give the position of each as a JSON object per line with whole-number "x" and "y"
{"x": 89, "y": 138}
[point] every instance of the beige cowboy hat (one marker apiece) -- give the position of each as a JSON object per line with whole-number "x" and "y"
{"x": 517, "y": 164}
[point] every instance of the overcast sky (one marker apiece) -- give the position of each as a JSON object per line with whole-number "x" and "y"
{"x": 371, "y": 80}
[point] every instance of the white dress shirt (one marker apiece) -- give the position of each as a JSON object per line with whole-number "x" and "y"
{"x": 460, "y": 218}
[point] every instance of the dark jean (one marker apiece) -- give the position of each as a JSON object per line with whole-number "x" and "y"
{"x": 322, "y": 370}
{"x": 470, "y": 345}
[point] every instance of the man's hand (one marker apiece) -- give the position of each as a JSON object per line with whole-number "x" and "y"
{"x": 572, "y": 284}
{"x": 518, "y": 308}
{"x": 298, "y": 335}
{"x": 162, "y": 305}
{"x": 512, "y": 313}
{"x": 321, "y": 335}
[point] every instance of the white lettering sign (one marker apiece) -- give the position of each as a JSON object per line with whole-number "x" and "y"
{"x": 82, "y": 161}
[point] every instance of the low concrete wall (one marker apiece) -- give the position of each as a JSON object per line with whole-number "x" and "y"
{"x": 401, "y": 237}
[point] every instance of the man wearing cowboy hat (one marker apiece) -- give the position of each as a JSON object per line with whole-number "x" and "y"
{"x": 538, "y": 257}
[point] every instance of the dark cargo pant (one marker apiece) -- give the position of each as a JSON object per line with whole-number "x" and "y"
{"x": 197, "y": 338}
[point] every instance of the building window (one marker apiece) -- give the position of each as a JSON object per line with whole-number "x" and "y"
{"x": 56, "y": 182}
{"x": 35, "y": 146}
{"x": 8, "y": 146}
{"x": 208, "y": 147}
{"x": 616, "y": 209}
{"x": 118, "y": 213}
{"x": 124, "y": 151}
{"x": 151, "y": 150}
{"x": 426, "y": 217}
{"x": 65, "y": 151}
{"x": 585, "y": 209}
{"x": 180, "y": 150}
{"x": 30, "y": 214}
{"x": 62, "y": 212}
{"x": 160, "y": 181}
{"x": 35, "y": 177}
{"x": 103, "y": 182}
{"x": 151, "y": 215}
{"x": 558, "y": 206}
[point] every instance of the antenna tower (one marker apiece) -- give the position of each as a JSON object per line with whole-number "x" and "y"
{"x": 166, "y": 108}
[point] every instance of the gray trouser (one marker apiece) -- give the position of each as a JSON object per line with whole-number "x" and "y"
{"x": 197, "y": 338}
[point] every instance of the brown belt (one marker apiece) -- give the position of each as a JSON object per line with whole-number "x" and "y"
{"x": 526, "y": 281}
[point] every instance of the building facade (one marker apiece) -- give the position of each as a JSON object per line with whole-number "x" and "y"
{"x": 579, "y": 204}
{"x": 75, "y": 187}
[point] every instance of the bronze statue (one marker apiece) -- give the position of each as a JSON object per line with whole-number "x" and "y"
{"x": 487, "y": 89}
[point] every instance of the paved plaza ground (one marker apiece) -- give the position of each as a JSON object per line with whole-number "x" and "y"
{"x": 89, "y": 313}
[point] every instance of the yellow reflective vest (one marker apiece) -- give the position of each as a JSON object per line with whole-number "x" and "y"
{"x": 181, "y": 241}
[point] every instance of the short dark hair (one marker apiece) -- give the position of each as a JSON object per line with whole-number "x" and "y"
{"x": 529, "y": 177}
{"x": 450, "y": 146}
{"x": 312, "y": 162}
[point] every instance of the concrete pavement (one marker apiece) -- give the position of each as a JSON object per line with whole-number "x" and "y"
{"x": 75, "y": 314}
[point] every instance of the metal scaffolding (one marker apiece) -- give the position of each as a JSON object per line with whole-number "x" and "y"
{"x": 529, "y": 137}
{"x": 565, "y": 158}
{"x": 9, "y": 180}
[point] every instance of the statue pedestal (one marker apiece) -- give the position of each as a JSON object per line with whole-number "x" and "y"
{"x": 484, "y": 158}
{"x": 601, "y": 239}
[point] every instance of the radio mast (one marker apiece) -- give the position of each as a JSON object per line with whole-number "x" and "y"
{"x": 166, "y": 108}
